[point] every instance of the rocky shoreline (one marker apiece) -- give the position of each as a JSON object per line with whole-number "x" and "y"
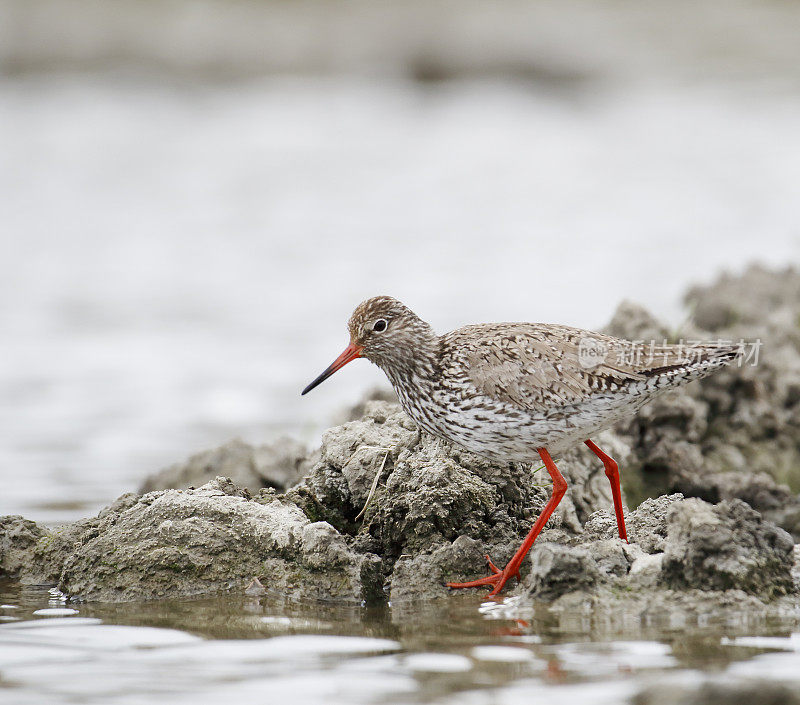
{"x": 383, "y": 512}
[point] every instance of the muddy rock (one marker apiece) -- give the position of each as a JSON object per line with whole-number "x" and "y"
{"x": 436, "y": 494}
{"x": 775, "y": 502}
{"x": 612, "y": 557}
{"x": 424, "y": 577}
{"x": 796, "y": 568}
{"x": 646, "y": 571}
{"x": 676, "y": 545}
{"x": 279, "y": 465}
{"x": 429, "y": 493}
{"x": 351, "y": 456}
{"x": 362, "y": 450}
{"x": 747, "y": 298}
{"x": 560, "y": 569}
{"x": 55, "y": 547}
{"x": 175, "y": 543}
{"x": 18, "y": 540}
{"x": 646, "y": 525}
{"x": 744, "y": 419}
{"x": 34, "y": 554}
{"x": 727, "y": 546}
{"x": 435, "y": 512}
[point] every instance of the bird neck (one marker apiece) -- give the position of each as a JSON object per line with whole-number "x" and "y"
{"x": 413, "y": 366}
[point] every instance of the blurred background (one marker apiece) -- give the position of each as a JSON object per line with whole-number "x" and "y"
{"x": 194, "y": 195}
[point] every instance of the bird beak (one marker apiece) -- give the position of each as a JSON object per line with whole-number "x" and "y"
{"x": 351, "y": 352}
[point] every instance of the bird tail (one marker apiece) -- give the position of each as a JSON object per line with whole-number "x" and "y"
{"x": 683, "y": 363}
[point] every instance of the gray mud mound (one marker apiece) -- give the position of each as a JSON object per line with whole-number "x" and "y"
{"x": 646, "y": 525}
{"x": 712, "y": 438}
{"x": 726, "y": 546}
{"x": 775, "y": 502}
{"x": 425, "y": 576}
{"x": 177, "y": 543}
{"x": 676, "y": 544}
{"x": 18, "y": 540}
{"x": 278, "y": 465}
{"x": 558, "y": 570}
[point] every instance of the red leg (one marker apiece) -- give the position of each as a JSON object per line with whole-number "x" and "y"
{"x": 612, "y": 473}
{"x": 499, "y": 578}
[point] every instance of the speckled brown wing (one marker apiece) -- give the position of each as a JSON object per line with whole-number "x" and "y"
{"x": 539, "y": 366}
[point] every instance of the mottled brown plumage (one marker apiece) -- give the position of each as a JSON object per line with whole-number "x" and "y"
{"x": 512, "y": 391}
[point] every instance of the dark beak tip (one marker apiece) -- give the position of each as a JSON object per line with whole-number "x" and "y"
{"x": 319, "y": 380}
{"x": 351, "y": 353}
{"x": 309, "y": 388}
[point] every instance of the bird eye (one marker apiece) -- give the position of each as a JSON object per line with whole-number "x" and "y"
{"x": 380, "y": 325}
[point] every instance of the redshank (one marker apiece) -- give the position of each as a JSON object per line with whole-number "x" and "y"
{"x": 510, "y": 391}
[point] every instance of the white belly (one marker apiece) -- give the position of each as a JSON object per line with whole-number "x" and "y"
{"x": 503, "y": 433}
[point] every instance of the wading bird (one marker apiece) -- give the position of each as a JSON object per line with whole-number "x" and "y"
{"x": 510, "y": 391}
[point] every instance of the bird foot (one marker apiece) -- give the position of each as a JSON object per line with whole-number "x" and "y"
{"x": 498, "y": 578}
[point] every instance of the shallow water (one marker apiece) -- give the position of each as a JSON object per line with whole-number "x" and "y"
{"x": 260, "y": 649}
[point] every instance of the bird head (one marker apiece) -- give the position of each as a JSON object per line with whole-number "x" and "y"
{"x": 384, "y": 331}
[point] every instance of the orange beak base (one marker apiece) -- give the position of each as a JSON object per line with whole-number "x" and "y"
{"x": 350, "y": 353}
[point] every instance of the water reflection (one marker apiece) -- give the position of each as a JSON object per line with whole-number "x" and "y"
{"x": 239, "y": 647}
